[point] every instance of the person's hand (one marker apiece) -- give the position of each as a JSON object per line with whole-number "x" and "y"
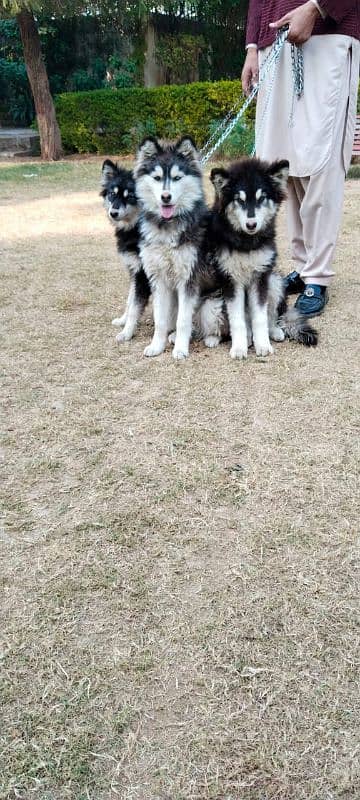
{"x": 301, "y": 22}
{"x": 250, "y": 73}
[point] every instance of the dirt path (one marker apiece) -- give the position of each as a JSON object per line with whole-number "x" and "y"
{"x": 180, "y": 597}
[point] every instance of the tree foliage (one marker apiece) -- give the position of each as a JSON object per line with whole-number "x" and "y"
{"x": 61, "y": 7}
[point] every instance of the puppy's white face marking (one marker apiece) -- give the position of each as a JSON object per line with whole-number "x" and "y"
{"x": 123, "y": 216}
{"x": 186, "y": 190}
{"x": 149, "y": 188}
{"x": 127, "y": 216}
{"x": 182, "y": 190}
{"x": 157, "y": 174}
{"x": 175, "y": 173}
{"x": 241, "y": 213}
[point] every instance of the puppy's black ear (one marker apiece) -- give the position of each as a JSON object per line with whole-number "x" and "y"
{"x": 149, "y": 147}
{"x": 219, "y": 178}
{"x": 187, "y": 147}
{"x": 109, "y": 170}
{"x": 279, "y": 173}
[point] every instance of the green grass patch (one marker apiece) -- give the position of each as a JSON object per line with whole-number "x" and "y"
{"x": 19, "y": 173}
{"x": 38, "y": 180}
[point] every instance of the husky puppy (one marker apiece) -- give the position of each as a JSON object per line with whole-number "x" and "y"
{"x": 121, "y": 204}
{"x": 242, "y": 247}
{"x": 173, "y": 228}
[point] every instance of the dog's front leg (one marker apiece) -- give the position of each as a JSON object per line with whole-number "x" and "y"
{"x": 130, "y": 317}
{"x": 237, "y": 321}
{"x": 259, "y": 323}
{"x": 186, "y": 306}
{"x": 162, "y": 306}
{"x": 119, "y": 322}
{"x": 138, "y": 297}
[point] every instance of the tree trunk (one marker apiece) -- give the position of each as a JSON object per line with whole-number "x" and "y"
{"x": 50, "y": 138}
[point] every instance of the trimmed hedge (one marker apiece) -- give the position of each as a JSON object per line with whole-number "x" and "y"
{"x": 113, "y": 121}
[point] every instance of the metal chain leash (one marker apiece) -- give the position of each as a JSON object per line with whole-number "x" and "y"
{"x": 297, "y": 60}
{"x": 261, "y": 124}
{"x": 227, "y": 125}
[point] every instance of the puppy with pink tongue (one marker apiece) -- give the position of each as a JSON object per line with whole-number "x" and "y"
{"x": 169, "y": 188}
{"x": 167, "y": 211}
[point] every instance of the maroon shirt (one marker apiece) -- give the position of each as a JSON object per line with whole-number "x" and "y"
{"x": 343, "y": 17}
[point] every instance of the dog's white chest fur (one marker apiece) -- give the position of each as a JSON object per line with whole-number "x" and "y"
{"x": 241, "y": 266}
{"x": 164, "y": 258}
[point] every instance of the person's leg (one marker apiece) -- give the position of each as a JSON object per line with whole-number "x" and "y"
{"x": 295, "y": 196}
{"x": 321, "y": 213}
{"x": 320, "y": 210}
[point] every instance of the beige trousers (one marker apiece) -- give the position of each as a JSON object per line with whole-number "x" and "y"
{"x": 315, "y": 133}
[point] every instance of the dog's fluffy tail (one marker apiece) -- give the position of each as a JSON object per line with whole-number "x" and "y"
{"x": 297, "y": 327}
{"x": 294, "y": 324}
{"x": 211, "y": 321}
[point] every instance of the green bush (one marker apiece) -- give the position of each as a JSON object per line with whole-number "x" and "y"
{"x": 240, "y": 141}
{"x": 102, "y": 121}
{"x": 137, "y": 133}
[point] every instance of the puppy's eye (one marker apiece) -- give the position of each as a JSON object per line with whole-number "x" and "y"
{"x": 177, "y": 178}
{"x": 157, "y": 177}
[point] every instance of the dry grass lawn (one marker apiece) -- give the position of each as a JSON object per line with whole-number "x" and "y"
{"x": 180, "y": 574}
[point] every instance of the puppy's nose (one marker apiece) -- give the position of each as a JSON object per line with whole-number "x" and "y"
{"x": 166, "y": 197}
{"x": 251, "y": 225}
{"x": 114, "y": 214}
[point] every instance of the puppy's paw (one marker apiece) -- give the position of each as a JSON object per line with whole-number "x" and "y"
{"x": 277, "y": 334}
{"x": 119, "y": 322}
{"x": 264, "y": 349}
{"x": 211, "y": 341}
{"x": 153, "y": 350}
{"x": 172, "y": 337}
{"x": 179, "y": 355}
{"x": 124, "y": 336}
{"x": 238, "y": 352}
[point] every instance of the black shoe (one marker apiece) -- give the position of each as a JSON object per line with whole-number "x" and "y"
{"x": 293, "y": 283}
{"x": 312, "y": 301}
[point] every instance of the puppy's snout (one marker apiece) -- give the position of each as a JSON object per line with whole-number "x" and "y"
{"x": 114, "y": 214}
{"x": 251, "y": 224}
{"x": 166, "y": 197}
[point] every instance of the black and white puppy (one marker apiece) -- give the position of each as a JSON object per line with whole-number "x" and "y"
{"x": 242, "y": 247}
{"x": 169, "y": 187}
{"x": 122, "y": 207}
